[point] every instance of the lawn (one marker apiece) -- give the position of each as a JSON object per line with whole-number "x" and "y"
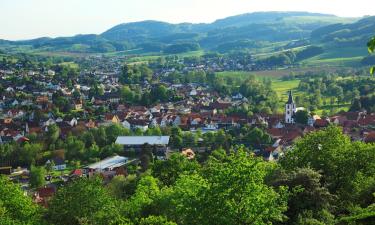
{"x": 349, "y": 56}
{"x": 282, "y": 87}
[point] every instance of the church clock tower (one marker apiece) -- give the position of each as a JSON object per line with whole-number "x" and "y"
{"x": 290, "y": 109}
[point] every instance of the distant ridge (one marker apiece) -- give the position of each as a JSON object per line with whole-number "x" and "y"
{"x": 249, "y": 30}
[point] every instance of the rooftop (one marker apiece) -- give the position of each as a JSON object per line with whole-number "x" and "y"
{"x": 141, "y": 140}
{"x": 109, "y": 163}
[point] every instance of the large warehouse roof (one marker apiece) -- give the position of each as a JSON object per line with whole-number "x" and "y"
{"x": 141, "y": 140}
{"x": 109, "y": 163}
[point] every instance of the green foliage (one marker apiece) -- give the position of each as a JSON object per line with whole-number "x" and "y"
{"x": 242, "y": 197}
{"x": 307, "y": 194}
{"x": 258, "y": 137}
{"x": 143, "y": 201}
{"x": 301, "y": 117}
{"x": 15, "y": 207}
{"x": 169, "y": 171}
{"x": 309, "y": 52}
{"x": 345, "y": 165}
{"x": 181, "y": 48}
{"x": 155, "y": 220}
{"x": 371, "y": 48}
{"x": 84, "y": 200}
{"x": 123, "y": 187}
{"x": 37, "y": 176}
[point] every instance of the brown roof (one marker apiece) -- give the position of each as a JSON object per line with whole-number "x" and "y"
{"x": 370, "y": 137}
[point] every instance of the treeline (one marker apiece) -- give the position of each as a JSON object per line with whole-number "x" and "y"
{"x": 290, "y": 57}
{"x": 325, "y": 179}
{"x": 331, "y": 89}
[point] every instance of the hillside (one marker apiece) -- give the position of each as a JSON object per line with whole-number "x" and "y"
{"x": 252, "y": 31}
{"x": 352, "y": 34}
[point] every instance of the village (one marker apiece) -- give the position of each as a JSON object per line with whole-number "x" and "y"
{"x": 31, "y": 101}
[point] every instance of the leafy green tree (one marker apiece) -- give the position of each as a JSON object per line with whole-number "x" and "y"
{"x": 115, "y": 130}
{"x": 30, "y": 153}
{"x": 127, "y": 94}
{"x": 306, "y": 194}
{"x": 302, "y": 117}
{"x": 347, "y": 167}
{"x": 49, "y": 166}
{"x": 237, "y": 193}
{"x": 359, "y": 216}
{"x": 52, "y": 134}
{"x": 371, "y": 49}
{"x": 37, "y": 176}
{"x": 75, "y": 148}
{"x": 155, "y": 220}
{"x": 143, "y": 202}
{"x": 123, "y": 187}
{"x": 256, "y": 137}
{"x": 84, "y": 200}
{"x": 15, "y": 207}
{"x": 159, "y": 93}
{"x": 169, "y": 170}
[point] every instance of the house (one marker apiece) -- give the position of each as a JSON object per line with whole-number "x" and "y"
{"x": 78, "y": 105}
{"x": 369, "y": 137}
{"x": 188, "y": 153}
{"x": 51, "y": 73}
{"x": 43, "y": 195}
{"x": 112, "y": 119}
{"x": 59, "y": 164}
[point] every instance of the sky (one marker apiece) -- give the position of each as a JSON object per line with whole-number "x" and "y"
{"x": 26, "y": 19}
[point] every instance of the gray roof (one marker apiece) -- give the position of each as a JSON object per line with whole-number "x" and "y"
{"x": 290, "y": 98}
{"x": 141, "y": 140}
{"x": 109, "y": 163}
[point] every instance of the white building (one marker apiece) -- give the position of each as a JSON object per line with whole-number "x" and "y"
{"x": 290, "y": 109}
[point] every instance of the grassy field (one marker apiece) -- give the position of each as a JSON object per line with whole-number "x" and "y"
{"x": 350, "y": 56}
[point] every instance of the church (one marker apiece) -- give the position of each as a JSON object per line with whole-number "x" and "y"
{"x": 290, "y": 109}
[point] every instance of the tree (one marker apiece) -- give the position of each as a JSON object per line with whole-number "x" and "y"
{"x": 52, "y": 134}
{"x": 75, "y": 148}
{"x": 371, "y": 49}
{"x": 237, "y": 193}
{"x": 37, "y": 176}
{"x": 159, "y": 93}
{"x": 49, "y": 166}
{"x": 302, "y": 117}
{"x": 15, "y": 207}
{"x": 123, "y": 187}
{"x": 256, "y": 137}
{"x": 143, "y": 202}
{"x": 306, "y": 194}
{"x": 169, "y": 170}
{"x": 347, "y": 167}
{"x": 156, "y": 220}
{"x": 30, "y": 153}
{"x": 127, "y": 94}
{"x": 84, "y": 200}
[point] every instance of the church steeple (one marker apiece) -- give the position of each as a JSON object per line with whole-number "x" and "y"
{"x": 290, "y": 98}
{"x": 290, "y": 109}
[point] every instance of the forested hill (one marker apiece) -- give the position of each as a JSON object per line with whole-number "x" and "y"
{"x": 351, "y": 34}
{"x": 252, "y": 31}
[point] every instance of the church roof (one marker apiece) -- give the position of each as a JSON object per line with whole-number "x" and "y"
{"x": 290, "y": 98}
